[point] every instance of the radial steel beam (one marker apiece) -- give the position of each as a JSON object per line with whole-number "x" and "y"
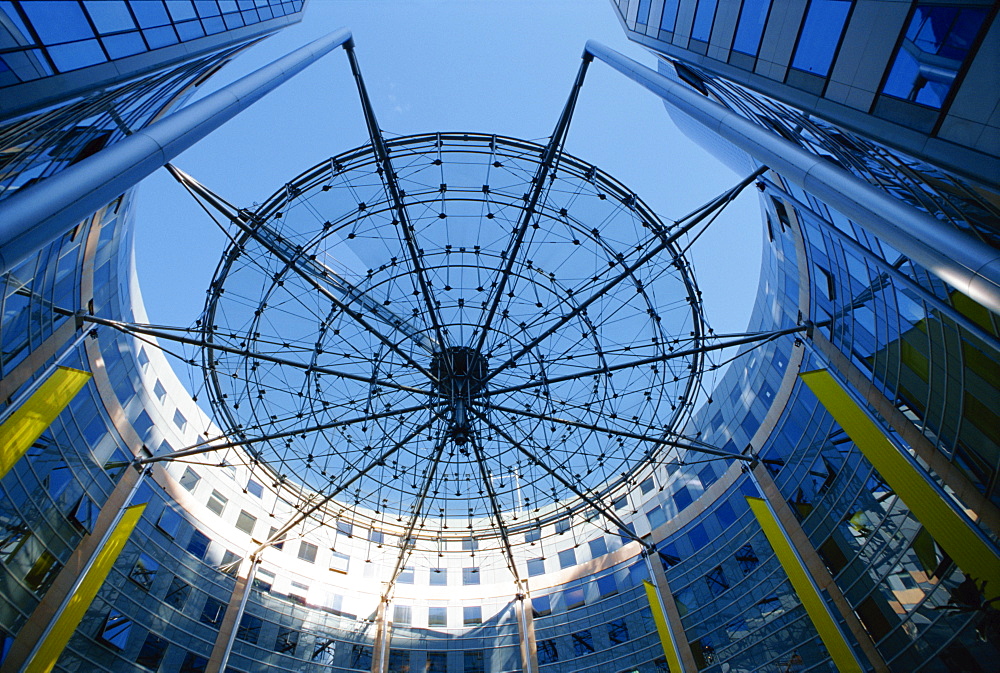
{"x": 407, "y": 547}
{"x": 132, "y": 328}
{"x": 496, "y": 509}
{"x": 538, "y": 182}
{"x": 718, "y": 202}
{"x": 758, "y": 336}
{"x": 967, "y": 264}
{"x": 303, "y": 514}
{"x": 623, "y": 433}
{"x": 391, "y": 184}
{"x": 207, "y": 446}
{"x": 34, "y": 217}
{"x": 267, "y": 237}
{"x": 595, "y": 504}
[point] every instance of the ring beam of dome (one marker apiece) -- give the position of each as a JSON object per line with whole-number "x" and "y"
{"x": 335, "y": 228}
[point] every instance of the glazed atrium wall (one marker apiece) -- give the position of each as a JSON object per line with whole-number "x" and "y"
{"x": 914, "y": 358}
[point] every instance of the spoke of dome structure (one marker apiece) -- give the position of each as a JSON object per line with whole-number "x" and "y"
{"x": 207, "y": 446}
{"x": 538, "y": 183}
{"x": 622, "y": 433}
{"x": 134, "y": 328}
{"x": 495, "y": 508}
{"x": 593, "y": 502}
{"x": 322, "y": 499}
{"x": 689, "y": 223}
{"x": 263, "y": 234}
{"x": 750, "y": 338}
{"x": 418, "y": 508}
{"x": 391, "y": 184}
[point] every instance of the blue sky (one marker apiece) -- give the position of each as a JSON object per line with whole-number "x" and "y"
{"x": 491, "y": 66}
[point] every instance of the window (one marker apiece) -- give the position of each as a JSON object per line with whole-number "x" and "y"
{"x": 536, "y": 566}
{"x": 280, "y": 544}
{"x": 698, "y": 536}
{"x": 533, "y": 534}
{"x": 472, "y": 615}
{"x": 647, "y": 485}
{"x": 747, "y": 559}
{"x": 470, "y": 544}
{"x": 230, "y": 563}
{"x": 263, "y": 580}
{"x": 541, "y": 606}
{"x": 345, "y": 528}
{"x": 376, "y": 536}
{"x": 339, "y": 562}
{"x": 704, "y": 16}
{"x": 169, "y": 522}
{"x": 574, "y": 597}
{"x": 198, "y": 544}
{"x": 547, "y": 652}
{"x": 598, "y": 547}
{"x": 621, "y": 503}
{"x": 193, "y": 663}
{"x": 682, "y": 498}
{"x": 361, "y": 657}
{"x": 475, "y": 661}
{"x": 307, "y": 551}
{"x": 144, "y": 571}
{"x": 399, "y": 661}
{"x": 402, "y": 615}
{"x": 160, "y": 391}
{"x": 617, "y": 632}
{"x": 656, "y": 517}
{"x": 177, "y": 593}
{"x": 217, "y": 503}
{"x": 562, "y": 526}
{"x": 115, "y": 630}
{"x": 642, "y": 17}
{"x": 255, "y": 489}
{"x": 936, "y": 44}
{"x": 287, "y": 641}
{"x": 583, "y": 643}
{"x": 470, "y": 576}
{"x": 750, "y": 27}
{"x": 84, "y": 515}
{"x": 213, "y": 612}
{"x": 324, "y": 650}
{"x": 669, "y": 17}
{"x": 249, "y": 629}
{"x": 437, "y": 662}
{"x": 437, "y": 616}
{"x": 152, "y": 651}
{"x": 439, "y": 577}
{"x": 42, "y": 572}
{"x": 567, "y": 558}
{"x": 716, "y": 580}
{"x": 298, "y": 593}
{"x": 820, "y": 36}
{"x": 405, "y": 576}
{"x": 606, "y": 586}
{"x": 245, "y": 522}
{"x": 190, "y": 479}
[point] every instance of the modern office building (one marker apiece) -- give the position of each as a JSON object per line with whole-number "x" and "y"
{"x": 463, "y": 410}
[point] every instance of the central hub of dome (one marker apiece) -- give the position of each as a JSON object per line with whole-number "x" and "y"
{"x": 460, "y": 371}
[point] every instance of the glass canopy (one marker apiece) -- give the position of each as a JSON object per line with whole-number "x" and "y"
{"x": 447, "y": 350}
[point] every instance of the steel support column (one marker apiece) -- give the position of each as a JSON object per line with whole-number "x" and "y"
{"x": 969, "y": 265}
{"x": 219, "y": 659}
{"x": 813, "y": 567}
{"x": 34, "y": 217}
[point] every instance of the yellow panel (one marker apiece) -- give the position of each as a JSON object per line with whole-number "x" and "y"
{"x": 673, "y": 656}
{"x": 841, "y": 653}
{"x": 28, "y": 423}
{"x": 951, "y": 531}
{"x": 48, "y": 653}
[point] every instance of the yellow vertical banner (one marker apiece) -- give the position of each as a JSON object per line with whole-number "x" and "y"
{"x": 949, "y": 529}
{"x": 660, "y": 619}
{"x": 841, "y": 653}
{"x": 36, "y": 414}
{"x": 48, "y": 652}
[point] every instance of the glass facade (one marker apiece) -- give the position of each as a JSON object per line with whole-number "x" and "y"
{"x": 919, "y": 358}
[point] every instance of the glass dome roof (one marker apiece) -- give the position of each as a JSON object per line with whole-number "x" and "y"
{"x": 457, "y": 358}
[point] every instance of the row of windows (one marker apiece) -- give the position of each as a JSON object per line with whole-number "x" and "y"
{"x": 62, "y": 35}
